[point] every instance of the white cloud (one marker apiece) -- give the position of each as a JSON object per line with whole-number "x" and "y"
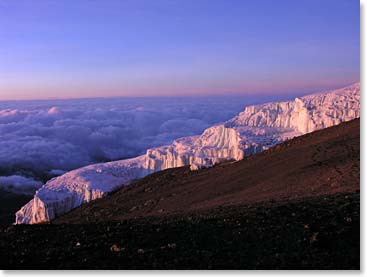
{"x": 19, "y": 184}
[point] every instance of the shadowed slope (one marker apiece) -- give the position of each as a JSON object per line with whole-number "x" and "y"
{"x": 314, "y": 233}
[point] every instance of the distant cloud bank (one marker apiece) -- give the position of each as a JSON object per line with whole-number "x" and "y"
{"x": 19, "y": 184}
{"x": 46, "y": 138}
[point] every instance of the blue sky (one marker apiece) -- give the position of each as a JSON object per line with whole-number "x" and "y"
{"x": 68, "y": 48}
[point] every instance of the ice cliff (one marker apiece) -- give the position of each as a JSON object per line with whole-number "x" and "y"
{"x": 255, "y": 129}
{"x": 305, "y": 114}
{"x": 76, "y": 187}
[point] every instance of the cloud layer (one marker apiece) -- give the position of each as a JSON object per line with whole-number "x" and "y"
{"x": 44, "y": 138}
{"x": 19, "y": 184}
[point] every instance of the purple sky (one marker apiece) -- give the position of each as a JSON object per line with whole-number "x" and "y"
{"x": 68, "y": 48}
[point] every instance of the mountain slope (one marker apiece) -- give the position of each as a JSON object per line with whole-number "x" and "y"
{"x": 320, "y": 232}
{"x": 324, "y": 162}
{"x": 254, "y": 130}
{"x": 295, "y": 206}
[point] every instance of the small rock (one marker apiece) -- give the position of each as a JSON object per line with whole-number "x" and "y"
{"x": 172, "y": 245}
{"x": 348, "y": 219}
{"x": 116, "y": 248}
{"x": 314, "y": 237}
{"x": 149, "y": 202}
{"x": 133, "y": 208}
{"x": 141, "y": 251}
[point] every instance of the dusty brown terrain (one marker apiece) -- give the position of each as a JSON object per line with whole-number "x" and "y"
{"x": 296, "y": 206}
{"x": 323, "y": 162}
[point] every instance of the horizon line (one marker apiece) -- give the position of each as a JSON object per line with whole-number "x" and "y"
{"x": 300, "y": 92}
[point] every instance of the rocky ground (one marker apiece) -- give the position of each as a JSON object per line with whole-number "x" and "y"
{"x": 313, "y": 233}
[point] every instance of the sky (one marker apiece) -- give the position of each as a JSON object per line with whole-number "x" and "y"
{"x": 76, "y": 49}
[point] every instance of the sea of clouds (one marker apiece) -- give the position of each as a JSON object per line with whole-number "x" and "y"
{"x": 42, "y": 139}
{"x": 19, "y": 184}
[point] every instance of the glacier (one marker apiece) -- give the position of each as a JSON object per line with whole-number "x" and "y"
{"x": 254, "y": 130}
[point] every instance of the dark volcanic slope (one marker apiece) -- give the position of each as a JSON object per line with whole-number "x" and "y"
{"x": 316, "y": 233}
{"x": 323, "y": 162}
